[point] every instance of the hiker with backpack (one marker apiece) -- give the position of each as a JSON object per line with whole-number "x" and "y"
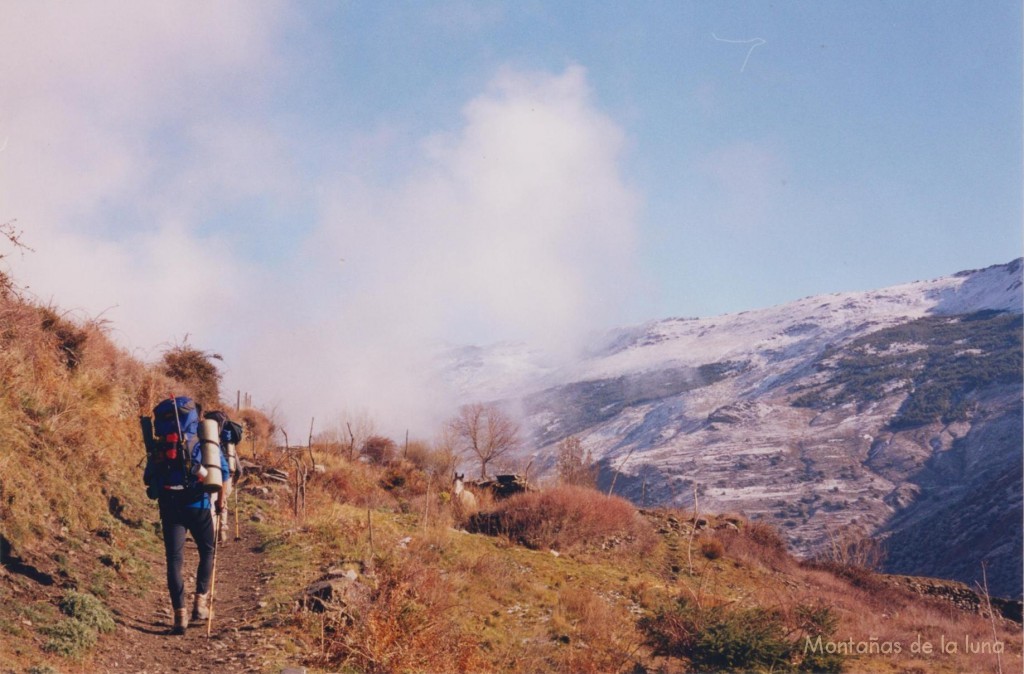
{"x": 230, "y": 435}
{"x": 174, "y": 477}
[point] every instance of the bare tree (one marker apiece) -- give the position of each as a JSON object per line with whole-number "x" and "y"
{"x": 485, "y": 432}
{"x": 346, "y": 434}
{"x": 575, "y": 464}
{"x": 14, "y": 238}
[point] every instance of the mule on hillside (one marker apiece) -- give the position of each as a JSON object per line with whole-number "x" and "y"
{"x": 464, "y": 497}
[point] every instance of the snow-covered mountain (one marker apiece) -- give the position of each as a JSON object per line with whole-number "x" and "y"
{"x": 888, "y": 413}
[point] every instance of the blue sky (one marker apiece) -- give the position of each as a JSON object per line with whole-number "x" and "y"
{"x": 885, "y": 137}
{"x": 351, "y": 180}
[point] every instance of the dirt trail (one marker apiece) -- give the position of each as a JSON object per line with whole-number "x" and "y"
{"x": 142, "y": 643}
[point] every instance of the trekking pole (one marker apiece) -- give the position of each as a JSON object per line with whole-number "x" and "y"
{"x": 213, "y": 582}
{"x": 237, "y": 537}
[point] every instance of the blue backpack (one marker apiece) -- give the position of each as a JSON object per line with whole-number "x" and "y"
{"x": 172, "y": 447}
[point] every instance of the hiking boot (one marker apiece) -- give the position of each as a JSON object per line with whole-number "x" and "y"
{"x": 201, "y": 607}
{"x": 180, "y": 621}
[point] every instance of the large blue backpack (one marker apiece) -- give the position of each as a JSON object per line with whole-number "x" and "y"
{"x": 173, "y": 449}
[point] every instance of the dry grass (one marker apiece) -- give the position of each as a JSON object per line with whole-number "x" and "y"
{"x": 479, "y": 603}
{"x": 711, "y": 548}
{"x": 595, "y": 634}
{"x": 404, "y": 624}
{"x": 70, "y": 399}
{"x": 354, "y": 482}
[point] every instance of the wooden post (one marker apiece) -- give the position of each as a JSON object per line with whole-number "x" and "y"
{"x": 615, "y": 476}
{"x": 426, "y": 506}
{"x": 309, "y": 445}
{"x": 369, "y": 527}
{"x": 991, "y": 617}
{"x": 237, "y": 537}
{"x": 693, "y": 528}
{"x": 351, "y": 442}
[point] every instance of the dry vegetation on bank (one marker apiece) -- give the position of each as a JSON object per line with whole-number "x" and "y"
{"x": 569, "y": 579}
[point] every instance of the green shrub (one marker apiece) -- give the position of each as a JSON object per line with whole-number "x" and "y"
{"x": 87, "y": 609}
{"x": 42, "y": 669}
{"x": 69, "y": 638}
{"x": 721, "y": 638}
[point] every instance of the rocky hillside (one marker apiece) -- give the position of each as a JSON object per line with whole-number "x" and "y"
{"x": 893, "y": 413}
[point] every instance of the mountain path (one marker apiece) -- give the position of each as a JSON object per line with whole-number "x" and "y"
{"x": 142, "y": 643}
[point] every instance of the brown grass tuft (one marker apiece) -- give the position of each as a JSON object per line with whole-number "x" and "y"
{"x": 711, "y": 548}
{"x": 594, "y": 633}
{"x": 757, "y": 543}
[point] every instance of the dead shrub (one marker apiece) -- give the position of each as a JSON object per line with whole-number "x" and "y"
{"x": 711, "y": 548}
{"x": 438, "y": 462}
{"x": 405, "y": 624}
{"x": 757, "y": 543}
{"x": 195, "y": 370}
{"x": 403, "y": 480}
{"x": 379, "y": 450}
{"x": 354, "y": 483}
{"x": 858, "y": 576}
{"x": 850, "y": 548}
{"x": 854, "y": 558}
{"x": 259, "y": 430}
{"x": 765, "y": 536}
{"x": 569, "y": 518}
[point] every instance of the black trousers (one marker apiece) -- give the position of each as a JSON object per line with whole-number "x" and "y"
{"x": 177, "y": 518}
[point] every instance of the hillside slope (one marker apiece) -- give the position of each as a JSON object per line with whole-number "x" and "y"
{"x": 887, "y": 413}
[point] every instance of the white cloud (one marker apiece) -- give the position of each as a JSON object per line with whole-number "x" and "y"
{"x": 95, "y": 98}
{"x": 131, "y": 129}
{"x": 519, "y": 225}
